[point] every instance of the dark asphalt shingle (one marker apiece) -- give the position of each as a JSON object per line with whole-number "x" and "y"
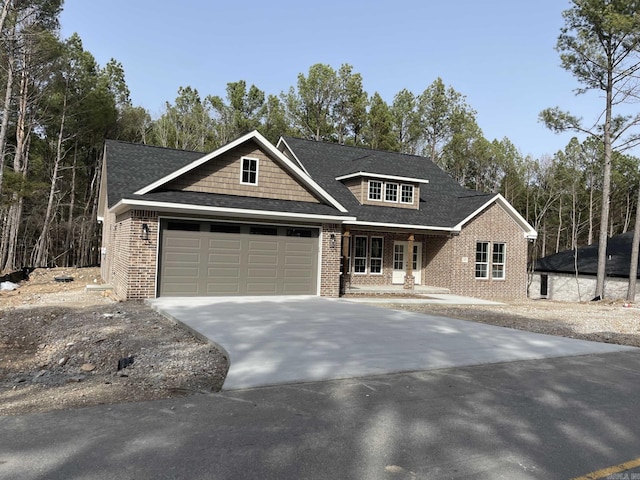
{"x": 618, "y": 259}
{"x": 443, "y": 202}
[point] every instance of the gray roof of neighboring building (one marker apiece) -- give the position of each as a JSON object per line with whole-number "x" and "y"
{"x": 618, "y": 259}
{"x": 443, "y": 202}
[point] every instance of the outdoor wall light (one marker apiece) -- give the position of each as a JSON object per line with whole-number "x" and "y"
{"x": 145, "y": 232}
{"x": 332, "y": 240}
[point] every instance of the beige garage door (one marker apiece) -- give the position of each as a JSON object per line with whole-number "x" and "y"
{"x": 209, "y": 259}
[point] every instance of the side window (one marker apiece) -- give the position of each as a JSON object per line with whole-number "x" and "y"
{"x": 375, "y": 190}
{"x": 482, "y": 259}
{"x": 406, "y": 194}
{"x": 249, "y": 173}
{"x": 391, "y": 192}
{"x": 375, "y": 265}
{"x": 498, "y": 261}
{"x": 360, "y": 255}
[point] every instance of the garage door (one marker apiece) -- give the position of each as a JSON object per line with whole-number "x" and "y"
{"x": 209, "y": 259}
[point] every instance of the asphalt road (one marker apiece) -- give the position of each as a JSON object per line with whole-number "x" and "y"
{"x": 538, "y": 419}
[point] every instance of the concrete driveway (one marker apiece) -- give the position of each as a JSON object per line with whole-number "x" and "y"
{"x": 277, "y": 340}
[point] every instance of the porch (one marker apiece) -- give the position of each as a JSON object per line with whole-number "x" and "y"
{"x": 392, "y": 290}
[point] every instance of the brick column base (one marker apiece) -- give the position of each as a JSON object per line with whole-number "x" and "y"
{"x": 409, "y": 282}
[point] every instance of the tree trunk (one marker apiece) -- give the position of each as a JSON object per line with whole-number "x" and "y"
{"x": 5, "y": 119}
{"x": 69, "y": 243}
{"x": 606, "y": 192}
{"x": 41, "y": 250}
{"x": 635, "y": 247}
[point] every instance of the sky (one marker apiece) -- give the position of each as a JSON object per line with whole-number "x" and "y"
{"x": 498, "y": 53}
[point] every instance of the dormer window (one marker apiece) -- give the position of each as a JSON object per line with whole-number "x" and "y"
{"x": 391, "y": 192}
{"x": 375, "y": 190}
{"x": 249, "y": 173}
{"x": 406, "y": 194}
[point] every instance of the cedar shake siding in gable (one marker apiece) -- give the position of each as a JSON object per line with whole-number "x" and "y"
{"x": 222, "y": 175}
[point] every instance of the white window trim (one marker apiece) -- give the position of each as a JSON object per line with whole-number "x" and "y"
{"x": 503, "y": 263}
{"x": 366, "y": 255}
{"x": 381, "y": 257}
{"x": 413, "y": 192}
{"x": 242, "y": 159}
{"x": 381, "y": 191}
{"x": 397, "y": 192}
{"x": 487, "y": 263}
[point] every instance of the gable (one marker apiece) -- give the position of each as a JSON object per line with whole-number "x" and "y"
{"x": 223, "y": 175}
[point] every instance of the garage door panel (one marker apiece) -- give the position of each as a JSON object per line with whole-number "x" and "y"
{"x": 221, "y": 244}
{"x": 215, "y": 263}
{"x": 262, "y": 260}
{"x": 181, "y": 288}
{"x": 223, "y": 259}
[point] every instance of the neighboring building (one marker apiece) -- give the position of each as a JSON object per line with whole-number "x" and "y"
{"x": 252, "y": 218}
{"x": 555, "y": 277}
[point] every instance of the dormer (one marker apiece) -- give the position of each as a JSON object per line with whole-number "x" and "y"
{"x": 384, "y": 190}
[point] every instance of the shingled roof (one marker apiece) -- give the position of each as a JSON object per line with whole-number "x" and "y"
{"x": 618, "y": 259}
{"x": 443, "y": 202}
{"x": 132, "y": 166}
{"x": 132, "y": 169}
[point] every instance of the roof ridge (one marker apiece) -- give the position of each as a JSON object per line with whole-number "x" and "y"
{"x": 135, "y": 144}
{"x": 368, "y": 149}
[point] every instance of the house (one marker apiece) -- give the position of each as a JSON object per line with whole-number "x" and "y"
{"x": 555, "y": 277}
{"x": 300, "y": 217}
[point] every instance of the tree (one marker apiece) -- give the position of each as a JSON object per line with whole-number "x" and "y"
{"x": 442, "y": 113}
{"x": 378, "y": 132}
{"x": 350, "y": 109}
{"x": 599, "y": 45}
{"x": 309, "y": 107}
{"x": 406, "y": 121}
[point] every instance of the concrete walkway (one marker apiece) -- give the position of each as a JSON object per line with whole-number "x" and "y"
{"x": 278, "y": 340}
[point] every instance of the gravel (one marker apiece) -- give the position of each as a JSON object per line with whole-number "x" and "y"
{"x": 61, "y": 347}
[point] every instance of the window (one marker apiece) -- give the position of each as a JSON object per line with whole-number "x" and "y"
{"x": 224, "y": 228}
{"x": 391, "y": 192}
{"x": 497, "y": 261}
{"x": 375, "y": 190}
{"x": 184, "y": 226}
{"x": 406, "y": 194}
{"x": 360, "y": 255}
{"x": 482, "y": 260}
{"x": 263, "y": 230}
{"x": 249, "y": 171}
{"x": 398, "y": 256}
{"x": 376, "y": 255}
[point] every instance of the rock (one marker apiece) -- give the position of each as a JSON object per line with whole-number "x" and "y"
{"x": 88, "y": 367}
{"x": 63, "y": 360}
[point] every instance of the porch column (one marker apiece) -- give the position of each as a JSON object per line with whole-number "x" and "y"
{"x": 346, "y": 279}
{"x": 409, "y": 281}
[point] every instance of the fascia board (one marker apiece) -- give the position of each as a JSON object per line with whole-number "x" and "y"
{"x": 382, "y": 176}
{"x": 401, "y": 225}
{"x": 283, "y": 143}
{"x": 127, "y": 204}
{"x": 254, "y": 135}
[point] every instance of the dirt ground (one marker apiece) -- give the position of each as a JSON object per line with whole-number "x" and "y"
{"x": 61, "y": 347}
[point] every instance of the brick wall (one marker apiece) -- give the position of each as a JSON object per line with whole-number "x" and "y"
{"x": 133, "y": 260}
{"x": 330, "y": 261}
{"x": 493, "y": 225}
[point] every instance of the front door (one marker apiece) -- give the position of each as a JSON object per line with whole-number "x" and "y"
{"x": 400, "y": 259}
